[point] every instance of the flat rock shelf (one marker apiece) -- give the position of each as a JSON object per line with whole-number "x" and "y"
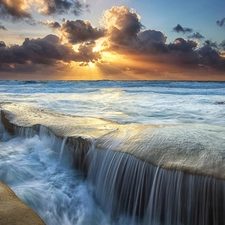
{"x": 156, "y": 174}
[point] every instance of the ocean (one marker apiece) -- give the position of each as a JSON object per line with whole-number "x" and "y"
{"x": 44, "y": 178}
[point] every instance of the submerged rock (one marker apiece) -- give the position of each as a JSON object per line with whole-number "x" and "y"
{"x": 220, "y": 103}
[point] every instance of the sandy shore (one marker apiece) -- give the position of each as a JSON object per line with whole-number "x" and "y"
{"x": 13, "y": 211}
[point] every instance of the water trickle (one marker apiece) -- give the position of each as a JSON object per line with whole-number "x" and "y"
{"x": 62, "y": 148}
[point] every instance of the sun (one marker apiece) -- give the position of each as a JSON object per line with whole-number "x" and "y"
{"x": 91, "y": 64}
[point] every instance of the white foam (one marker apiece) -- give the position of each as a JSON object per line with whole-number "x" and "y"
{"x": 55, "y": 190}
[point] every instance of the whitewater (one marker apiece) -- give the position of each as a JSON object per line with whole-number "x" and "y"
{"x": 42, "y": 174}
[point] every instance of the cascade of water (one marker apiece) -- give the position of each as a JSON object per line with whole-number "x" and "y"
{"x": 127, "y": 186}
{"x": 26, "y": 132}
{"x": 62, "y": 148}
{"x": 4, "y": 135}
{"x": 1, "y": 124}
{"x": 78, "y": 149}
{"x": 48, "y": 137}
{"x": 2, "y": 129}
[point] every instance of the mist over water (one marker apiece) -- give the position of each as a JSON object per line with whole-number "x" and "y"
{"x": 42, "y": 174}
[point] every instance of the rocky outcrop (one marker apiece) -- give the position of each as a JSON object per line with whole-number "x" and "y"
{"x": 193, "y": 149}
{"x": 157, "y": 174}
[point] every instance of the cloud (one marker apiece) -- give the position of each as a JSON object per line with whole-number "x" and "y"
{"x": 211, "y": 44}
{"x": 184, "y": 30}
{"x": 209, "y": 56}
{"x": 131, "y": 49}
{"x": 47, "y": 51}
{"x": 222, "y": 45}
{"x": 79, "y": 31}
{"x": 86, "y": 51}
{"x": 122, "y": 24}
{"x": 182, "y": 45}
{"x": 52, "y": 7}
{"x": 2, "y": 44}
{"x": 2, "y": 27}
{"x": 153, "y": 41}
{"x": 151, "y": 36}
{"x": 51, "y": 24}
{"x": 149, "y": 48}
{"x": 221, "y": 22}
{"x": 15, "y": 10}
{"x": 196, "y": 35}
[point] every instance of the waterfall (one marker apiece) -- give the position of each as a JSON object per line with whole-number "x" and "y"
{"x": 125, "y": 186}
{"x": 62, "y": 148}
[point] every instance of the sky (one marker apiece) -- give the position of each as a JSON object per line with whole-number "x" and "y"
{"x": 112, "y": 40}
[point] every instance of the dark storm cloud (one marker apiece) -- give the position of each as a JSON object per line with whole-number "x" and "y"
{"x": 221, "y": 22}
{"x": 80, "y": 31}
{"x": 63, "y": 6}
{"x": 43, "y": 51}
{"x": 181, "y": 29}
{"x": 196, "y": 35}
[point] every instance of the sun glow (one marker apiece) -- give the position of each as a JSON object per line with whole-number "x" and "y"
{"x": 99, "y": 45}
{"x": 84, "y": 71}
{"x": 91, "y": 64}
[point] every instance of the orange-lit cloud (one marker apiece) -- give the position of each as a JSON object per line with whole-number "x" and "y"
{"x": 14, "y": 9}
{"x": 52, "y": 24}
{"x": 20, "y": 9}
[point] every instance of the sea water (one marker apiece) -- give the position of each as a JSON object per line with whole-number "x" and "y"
{"x": 44, "y": 178}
